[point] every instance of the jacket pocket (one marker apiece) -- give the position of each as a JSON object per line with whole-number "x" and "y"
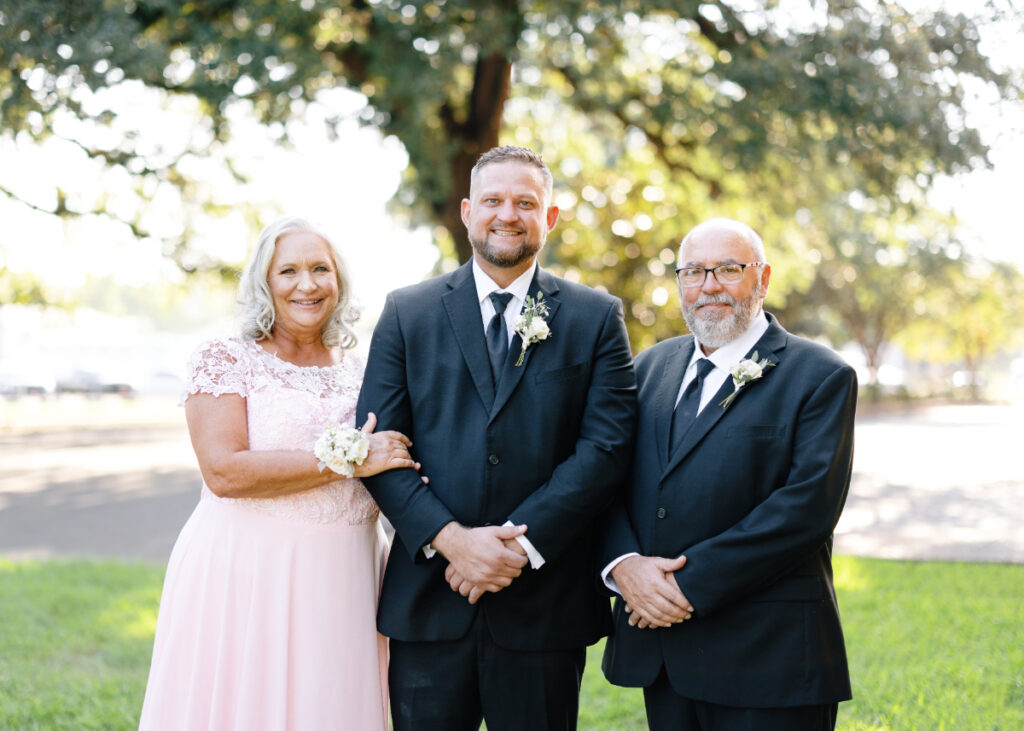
{"x": 566, "y": 373}
{"x": 756, "y": 431}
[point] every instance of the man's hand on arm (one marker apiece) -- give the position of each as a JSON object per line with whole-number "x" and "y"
{"x": 479, "y": 558}
{"x": 653, "y": 598}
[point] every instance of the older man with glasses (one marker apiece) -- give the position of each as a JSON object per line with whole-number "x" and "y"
{"x": 720, "y": 547}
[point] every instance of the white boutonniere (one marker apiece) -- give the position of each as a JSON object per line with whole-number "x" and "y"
{"x": 746, "y": 371}
{"x": 531, "y": 325}
{"x": 341, "y": 448}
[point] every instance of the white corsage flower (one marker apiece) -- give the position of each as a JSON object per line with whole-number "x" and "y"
{"x": 341, "y": 448}
{"x": 530, "y": 325}
{"x": 746, "y": 371}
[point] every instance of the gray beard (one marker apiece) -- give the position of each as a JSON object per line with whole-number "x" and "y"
{"x": 515, "y": 258}
{"x": 715, "y": 332}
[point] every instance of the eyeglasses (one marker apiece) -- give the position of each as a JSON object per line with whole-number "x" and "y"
{"x": 724, "y": 273}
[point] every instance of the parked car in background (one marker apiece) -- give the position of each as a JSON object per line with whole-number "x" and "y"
{"x": 15, "y": 384}
{"x": 91, "y": 383}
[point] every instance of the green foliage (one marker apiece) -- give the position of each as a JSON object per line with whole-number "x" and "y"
{"x": 654, "y": 121}
{"x": 971, "y": 312}
{"x": 877, "y": 265}
{"x": 654, "y": 115}
{"x": 20, "y": 289}
{"x": 170, "y": 307}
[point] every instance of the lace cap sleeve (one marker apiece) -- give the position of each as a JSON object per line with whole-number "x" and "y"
{"x": 356, "y": 363}
{"x": 218, "y": 367}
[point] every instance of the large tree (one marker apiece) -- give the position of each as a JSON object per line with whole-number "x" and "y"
{"x": 653, "y": 114}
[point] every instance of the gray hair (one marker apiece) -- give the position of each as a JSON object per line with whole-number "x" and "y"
{"x": 511, "y": 153}
{"x": 737, "y": 227}
{"x": 257, "y": 303}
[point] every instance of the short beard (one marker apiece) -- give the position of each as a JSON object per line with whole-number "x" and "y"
{"x": 509, "y": 260}
{"x": 716, "y": 331}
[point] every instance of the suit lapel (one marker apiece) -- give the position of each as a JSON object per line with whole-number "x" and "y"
{"x": 513, "y": 374}
{"x": 463, "y": 310}
{"x": 773, "y": 340}
{"x": 667, "y": 390}
{"x": 706, "y": 419}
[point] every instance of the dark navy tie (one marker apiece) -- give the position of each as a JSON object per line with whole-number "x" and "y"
{"x": 686, "y": 410}
{"x": 497, "y": 334}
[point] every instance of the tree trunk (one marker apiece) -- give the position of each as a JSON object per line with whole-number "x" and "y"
{"x": 972, "y": 364}
{"x": 478, "y": 134}
{"x": 874, "y": 388}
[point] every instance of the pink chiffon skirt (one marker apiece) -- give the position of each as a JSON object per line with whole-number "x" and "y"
{"x": 269, "y": 623}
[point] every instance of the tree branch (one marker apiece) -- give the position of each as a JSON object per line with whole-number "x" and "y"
{"x": 661, "y": 147}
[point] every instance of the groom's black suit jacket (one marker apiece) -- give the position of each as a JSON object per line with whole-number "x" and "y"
{"x": 547, "y": 450}
{"x": 751, "y": 497}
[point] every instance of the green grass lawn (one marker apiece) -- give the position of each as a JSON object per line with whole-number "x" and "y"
{"x": 932, "y": 646}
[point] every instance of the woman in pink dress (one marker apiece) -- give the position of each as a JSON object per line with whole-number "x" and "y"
{"x": 267, "y": 619}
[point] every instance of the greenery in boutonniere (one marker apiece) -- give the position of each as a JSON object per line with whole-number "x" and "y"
{"x": 531, "y": 325}
{"x": 746, "y": 371}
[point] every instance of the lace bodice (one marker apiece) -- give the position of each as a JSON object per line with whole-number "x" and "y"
{"x": 287, "y": 407}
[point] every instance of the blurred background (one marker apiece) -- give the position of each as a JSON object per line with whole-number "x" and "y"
{"x": 875, "y": 146}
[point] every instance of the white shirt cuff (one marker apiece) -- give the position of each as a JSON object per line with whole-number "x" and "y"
{"x": 606, "y": 574}
{"x": 429, "y": 550}
{"x": 536, "y": 560}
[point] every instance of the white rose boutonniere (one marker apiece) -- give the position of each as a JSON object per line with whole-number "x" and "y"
{"x": 341, "y": 448}
{"x": 746, "y": 371}
{"x": 531, "y": 325}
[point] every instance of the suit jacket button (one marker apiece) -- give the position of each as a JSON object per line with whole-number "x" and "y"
{"x": 493, "y": 459}
{"x": 661, "y": 512}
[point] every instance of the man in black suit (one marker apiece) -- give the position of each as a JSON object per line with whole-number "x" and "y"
{"x": 488, "y": 596}
{"x": 721, "y": 548}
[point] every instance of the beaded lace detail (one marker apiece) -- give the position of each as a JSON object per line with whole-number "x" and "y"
{"x": 287, "y": 407}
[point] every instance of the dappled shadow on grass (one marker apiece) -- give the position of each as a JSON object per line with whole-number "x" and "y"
{"x": 886, "y": 519}
{"x": 76, "y": 643}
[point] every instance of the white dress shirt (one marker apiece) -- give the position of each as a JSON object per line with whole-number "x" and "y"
{"x": 723, "y": 359}
{"x": 518, "y": 289}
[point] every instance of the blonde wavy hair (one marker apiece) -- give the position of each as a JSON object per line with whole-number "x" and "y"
{"x": 257, "y": 303}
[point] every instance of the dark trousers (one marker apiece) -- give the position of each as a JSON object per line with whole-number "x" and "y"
{"x": 454, "y": 685}
{"x": 669, "y": 711}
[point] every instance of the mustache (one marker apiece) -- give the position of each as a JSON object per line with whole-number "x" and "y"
{"x": 714, "y": 299}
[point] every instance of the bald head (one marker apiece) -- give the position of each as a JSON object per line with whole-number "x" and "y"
{"x": 722, "y": 229}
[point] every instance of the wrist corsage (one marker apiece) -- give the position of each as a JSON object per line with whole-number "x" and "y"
{"x": 341, "y": 448}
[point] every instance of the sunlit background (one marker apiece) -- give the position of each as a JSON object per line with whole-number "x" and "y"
{"x": 104, "y": 252}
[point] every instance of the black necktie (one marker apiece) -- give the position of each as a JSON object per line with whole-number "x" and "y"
{"x": 686, "y": 410}
{"x": 497, "y": 334}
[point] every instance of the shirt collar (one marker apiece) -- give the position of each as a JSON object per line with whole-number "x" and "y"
{"x": 485, "y": 285}
{"x": 733, "y": 352}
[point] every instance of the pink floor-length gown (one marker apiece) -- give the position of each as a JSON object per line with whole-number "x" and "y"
{"x": 267, "y": 619}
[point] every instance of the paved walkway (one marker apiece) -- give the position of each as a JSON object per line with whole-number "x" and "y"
{"x": 945, "y": 482}
{"x": 120, "y": 480}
